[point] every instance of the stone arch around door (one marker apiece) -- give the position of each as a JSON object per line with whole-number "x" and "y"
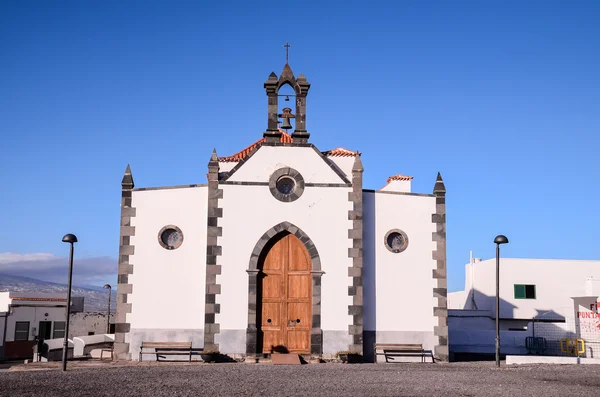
{"x": 252, "y": 332}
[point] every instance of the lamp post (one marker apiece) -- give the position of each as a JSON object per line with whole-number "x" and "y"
{"x": 71, "y": 239}
{"x": 108, "y": 287}
{"x": 500, "y": 239}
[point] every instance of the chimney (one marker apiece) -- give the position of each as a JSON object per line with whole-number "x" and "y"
{"x": 398, "y": 183}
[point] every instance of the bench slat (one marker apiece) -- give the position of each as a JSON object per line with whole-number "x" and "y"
{"x": 399, "y": 350}
{"x": 402, "y": 348}
{"x": 166, "y": 349}
{"x": 166, "y": 344}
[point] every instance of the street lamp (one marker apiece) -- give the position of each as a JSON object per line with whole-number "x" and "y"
{"x": 500, "y": 239}
{"x": 108, "y": 287}
{"x": 71, "y": 239}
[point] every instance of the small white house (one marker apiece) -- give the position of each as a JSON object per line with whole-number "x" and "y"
{"x": 3, "y": 316}
{"x": 32, "y": 316}
{"x": 26, "y": 318}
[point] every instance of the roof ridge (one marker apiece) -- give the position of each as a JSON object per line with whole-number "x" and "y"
{"x": 341, "y": 152}
{"x": 242, "y": 154}
{"x": 399, "y": 177}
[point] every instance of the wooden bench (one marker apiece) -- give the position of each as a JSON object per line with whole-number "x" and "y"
{"x": 166, "y": 349}
{"x": 106, "y": 350}
{"x": 399, "y": 350}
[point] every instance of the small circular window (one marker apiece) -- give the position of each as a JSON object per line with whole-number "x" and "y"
{"x": 170, "y": 237}
{"x": 286, "y": 184}
{"x": 396, "y": 241}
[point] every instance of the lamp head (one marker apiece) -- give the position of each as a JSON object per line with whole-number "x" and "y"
{"x": 501, "y": 239}
{"x": 107, "y": 286}
{"x": 69, "y": 238}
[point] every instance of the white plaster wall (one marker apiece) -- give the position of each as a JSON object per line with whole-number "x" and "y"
{"x": 477, "y": 320}
{"x": 2, "y": 322}
{"x": 34, "y": 315}
{"x": 168, "y": 285}
{"x": 322, "y": 213}
{"x": 592, "y": 286}
{"x": 85, "y": 322}
{"x": 267, "y": 159}
{"x": 556, "y": 282}
{"x": 225, "y": 166}
{"x": 400, "y": 285}
{"x": 484, "y": 341}
{"x": 397, "y": 186}
{"x": 458, "y": 300}
{"x": 4, "y": 301}
{"x": 345, "y": 164}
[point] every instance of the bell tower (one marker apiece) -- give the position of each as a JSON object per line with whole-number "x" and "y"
{"x": 300, "y": 87}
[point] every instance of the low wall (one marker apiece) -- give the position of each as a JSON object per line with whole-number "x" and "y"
{"x": 484, "y": 341}
{"x": 53, "y": 349}
{"x": 514, "y": 360}
{"x": 83, "y": 345}
{"x": 84, "y": 323}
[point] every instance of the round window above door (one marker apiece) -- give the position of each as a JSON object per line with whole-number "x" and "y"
{"x": 286, "y": 184}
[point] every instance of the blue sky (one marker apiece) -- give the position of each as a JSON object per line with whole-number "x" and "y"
{"x": 501, "y": 97}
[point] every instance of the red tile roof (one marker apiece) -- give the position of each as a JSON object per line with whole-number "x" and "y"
{"x": 242, "y": 154}
{"x": 341, "y": 152}
{"x": 399, "y": 177}
{"x": 285, "y": 138}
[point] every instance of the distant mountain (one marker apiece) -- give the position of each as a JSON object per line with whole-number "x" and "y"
{"x": 95, "y": 298}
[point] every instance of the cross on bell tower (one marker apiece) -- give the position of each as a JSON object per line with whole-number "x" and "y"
{"x": 272, "y": 87}
{"x": 287, "y": 48}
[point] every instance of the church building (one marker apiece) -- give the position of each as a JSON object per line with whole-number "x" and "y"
{"x": 283, "y": 248}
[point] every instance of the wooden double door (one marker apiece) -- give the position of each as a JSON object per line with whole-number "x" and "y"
{"x": 286, "y": 303}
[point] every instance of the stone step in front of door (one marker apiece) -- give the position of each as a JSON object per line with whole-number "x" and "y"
{"x": 285, "y": 358}
{"x": 304, "y": 359}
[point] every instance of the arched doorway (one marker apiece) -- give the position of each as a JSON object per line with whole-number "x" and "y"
{"x": 303, "y": 297}
{"x": 285, "y": 296}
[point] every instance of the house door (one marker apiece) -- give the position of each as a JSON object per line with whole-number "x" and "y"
{"x": 45, "y": 331}
{"x": 286, "y": 287}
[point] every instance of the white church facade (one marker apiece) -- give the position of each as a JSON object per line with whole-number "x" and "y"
{"x": 283, "y": 247}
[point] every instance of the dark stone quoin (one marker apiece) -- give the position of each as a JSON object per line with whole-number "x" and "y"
{"x": 213, "y": 251}
{"x": 440, "y": 292}
{"x": 122, "y": 327}
{"x": 355, "y": 271}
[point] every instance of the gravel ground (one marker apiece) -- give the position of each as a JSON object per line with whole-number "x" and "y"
{"x": 456, "y": 379}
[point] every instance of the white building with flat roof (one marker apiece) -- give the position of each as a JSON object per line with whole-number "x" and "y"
{"x": 529, "y": 288}
{"x": 550, "y": 298}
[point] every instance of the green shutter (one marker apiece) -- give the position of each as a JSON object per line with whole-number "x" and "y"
{"x": 519, "y": 291}
{"x": 523, "y": 291}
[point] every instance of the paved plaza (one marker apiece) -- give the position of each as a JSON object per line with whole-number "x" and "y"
{"x": 237, "y": 379}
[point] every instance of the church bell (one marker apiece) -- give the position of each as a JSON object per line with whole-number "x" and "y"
{"x": 286, "y": 124}
{"x": 286, "y": 115}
